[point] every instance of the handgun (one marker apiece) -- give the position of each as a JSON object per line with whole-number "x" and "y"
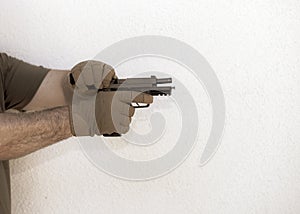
{"x": 143, "y": 85}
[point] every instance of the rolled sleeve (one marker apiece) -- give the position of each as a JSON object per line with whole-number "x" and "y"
{"x": 20, "y": 81}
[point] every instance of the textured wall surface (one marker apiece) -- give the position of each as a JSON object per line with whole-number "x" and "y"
{"x": 253, "y": 46}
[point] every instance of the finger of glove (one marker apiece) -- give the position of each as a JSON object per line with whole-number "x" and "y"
{"x": 80, "y": 84}
{"x": 88, "y": 73}
{"x": 106, "y": 126}
{"x": 127, "y": 110}
{"x": 77, "y": 77}
{"x": 108, "y": 75}
{"x": 138, "y": 97}
{"x": 131, "y": 111}
{"x": 142, "y": 98}
{"x": 92, "y": 73}
{"x": 124, "y": 120}
{"x": 123, "y": 129}
{"x": 76, "y": 70}
{"x": 119, "y": 122}
{"x": 97, "y": 72}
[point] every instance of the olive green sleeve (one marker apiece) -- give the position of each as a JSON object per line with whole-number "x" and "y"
{"x": 19, "y": 82}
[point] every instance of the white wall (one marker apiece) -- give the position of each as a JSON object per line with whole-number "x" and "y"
{"x": 254, "y": 48}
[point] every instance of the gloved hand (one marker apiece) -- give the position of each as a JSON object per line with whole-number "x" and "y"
{"x": 93, "y": 112}
{"x": 106, "y": 113}
{"x": 91, "y": 74}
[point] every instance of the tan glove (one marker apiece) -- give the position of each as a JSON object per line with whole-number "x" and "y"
{"x": 91, "y": 75}
{"x": 106, "y": 113}
{"x": 94, "y": 112}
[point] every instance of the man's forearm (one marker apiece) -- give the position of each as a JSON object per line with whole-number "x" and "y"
{"x": 23, "y": 133}
{"x": 54, "y": 91}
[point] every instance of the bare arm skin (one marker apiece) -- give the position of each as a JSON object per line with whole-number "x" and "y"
{"x": 23, "y": 133}
{"x": 54, "y": 91}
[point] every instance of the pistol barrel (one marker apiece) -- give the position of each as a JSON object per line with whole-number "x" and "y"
{"x": 164, "y": 80}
